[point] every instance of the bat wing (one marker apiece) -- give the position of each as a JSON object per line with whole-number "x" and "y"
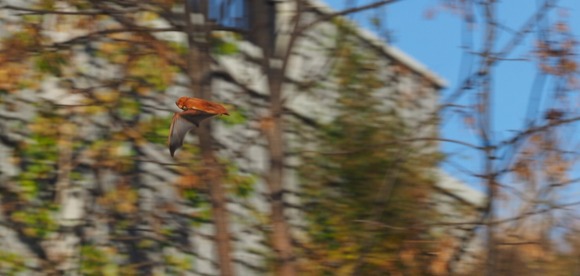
{"x": 181, "y": 124}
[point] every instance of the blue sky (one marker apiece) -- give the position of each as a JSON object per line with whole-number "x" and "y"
{"x": 436, "y": 42}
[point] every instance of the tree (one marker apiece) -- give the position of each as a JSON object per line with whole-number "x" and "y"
{"x": 523, "y": 171}
{"x": 367, "y": 188}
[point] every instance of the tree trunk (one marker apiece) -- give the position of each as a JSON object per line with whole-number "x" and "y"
{"x": 198, "y": 68}
{"x": 274, "y": 63}
{"x": 281, "y": 238}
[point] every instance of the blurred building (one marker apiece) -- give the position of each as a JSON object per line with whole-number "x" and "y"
{"x": 414, "y": 92}
{"x": 458, "y": 203}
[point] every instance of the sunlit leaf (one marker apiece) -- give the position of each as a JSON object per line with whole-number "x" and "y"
{"x": 51, "y": 63}
{"x": 237, "y": 116}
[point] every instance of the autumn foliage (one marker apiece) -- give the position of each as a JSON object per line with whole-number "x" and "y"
{"x": 326, "y": 169}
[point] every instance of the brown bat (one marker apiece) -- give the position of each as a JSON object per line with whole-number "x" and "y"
{"x": 187, "y": 103}
{"x": 194, "y": 111}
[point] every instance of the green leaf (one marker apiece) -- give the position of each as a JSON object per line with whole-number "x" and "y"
{"x": 50, "y": 63}
{"x": 193, "y": 197}
{"x": 11, "y": 263}
{"x": 153, "y": 70}
{"x": 129, "y": 107}
{"x": 29, "y": 189}
{"x": 228, "y": 48}
{"x": 224, "y": 47}
{"x": 93, "y": 260}
{"x": 237, "y": 117}
{"x": 46, "y": 4}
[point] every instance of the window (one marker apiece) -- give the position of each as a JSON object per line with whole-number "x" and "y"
{"x": 225, "y": 13}
{"x": 254, "y": 17}
{"x": 229, "y": 13}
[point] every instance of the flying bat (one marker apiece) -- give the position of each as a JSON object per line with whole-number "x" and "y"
{"x": 194, "y": 111}
{"x": 187, "y": 103}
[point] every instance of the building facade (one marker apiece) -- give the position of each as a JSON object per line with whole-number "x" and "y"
{"x": 154, "y": 196}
